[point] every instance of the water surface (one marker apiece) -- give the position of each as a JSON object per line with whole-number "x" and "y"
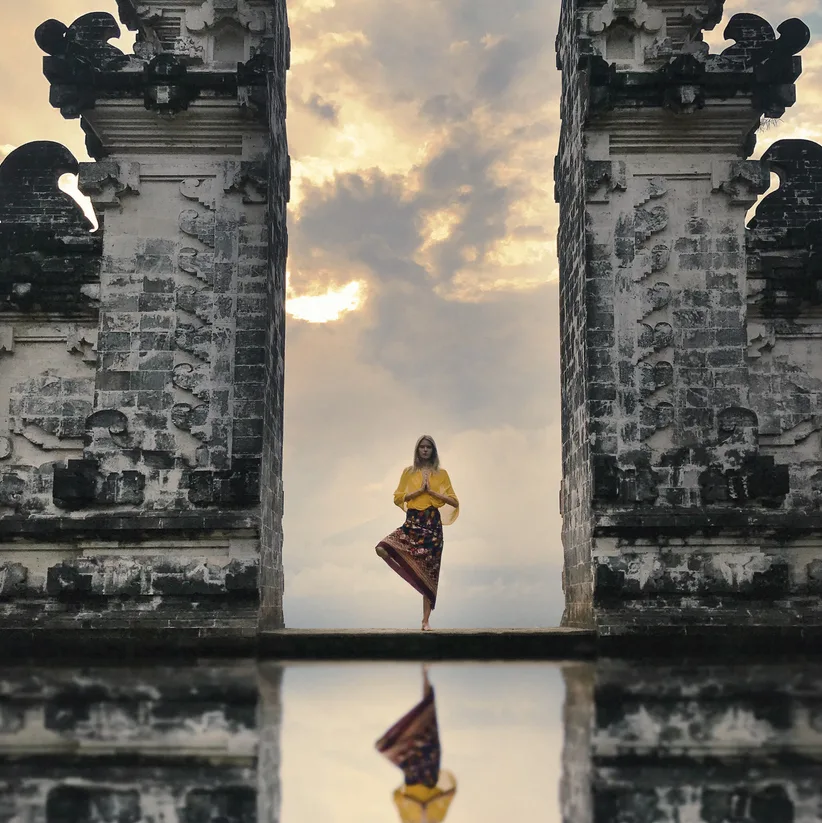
{"x": 241, "y": 741}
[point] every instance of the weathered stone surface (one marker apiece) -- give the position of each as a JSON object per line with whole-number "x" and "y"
{"x": 142, "y": 375}
{"x": 690, "y": 365}
{"x": 147, "y": 576}
{"x": 272, "y": 583}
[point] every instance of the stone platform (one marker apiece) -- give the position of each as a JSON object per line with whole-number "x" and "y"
{"x": 446, "y": 644}
{"x": 299, "y": 644}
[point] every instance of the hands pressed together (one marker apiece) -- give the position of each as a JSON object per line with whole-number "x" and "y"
{"x": 426, "y": 489}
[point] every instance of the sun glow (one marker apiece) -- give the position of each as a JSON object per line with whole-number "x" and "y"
{"x": 508, "y": 252}
{"x": 440, "y": 225}
{"x": 327, "y": 306}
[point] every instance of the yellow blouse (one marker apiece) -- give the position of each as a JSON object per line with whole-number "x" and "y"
{"x": 438, "y": 481}
{"x": 419, "y": 804}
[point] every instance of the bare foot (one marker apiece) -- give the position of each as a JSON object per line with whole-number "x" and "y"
{"x": 382, "y": 552}
{"x": 426, "y": 627}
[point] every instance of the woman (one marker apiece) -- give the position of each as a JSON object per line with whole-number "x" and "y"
{"x": 413, "y": 745}
{"x": 414, "y": 550}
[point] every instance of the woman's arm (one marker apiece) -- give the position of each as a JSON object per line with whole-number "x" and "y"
{"x": 399, "y": 495}
{"x": 445, "y": 498}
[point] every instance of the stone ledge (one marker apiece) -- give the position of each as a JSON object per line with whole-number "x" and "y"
{"x": 105, "y": 647}
{"x": 240, "y": 640}
{"x": 711, "y": 643}
{"x": 231, "y": 640}
{"x": 447, "y": 644}
{"x": 101, "y": 526}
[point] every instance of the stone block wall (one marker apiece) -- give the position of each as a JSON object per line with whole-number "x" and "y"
{"x": 569, "y": 176}
{"x": 272, "y": 582}
{"x": 701, "y": 367}
{"x": 141, "y": 447}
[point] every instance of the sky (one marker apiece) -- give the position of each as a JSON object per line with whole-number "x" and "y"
{"x": 422, "y": 288}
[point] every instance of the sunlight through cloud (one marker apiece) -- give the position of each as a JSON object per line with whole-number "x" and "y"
{"x": 440, "y": 225}
{"x": 326, "y": 307}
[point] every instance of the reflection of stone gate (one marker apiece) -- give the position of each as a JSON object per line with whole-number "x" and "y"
{"x": 707, "y": 743}
{"x": 142, "y": 364}
{"x": 692, "y": 372}
{"x": 162, "y": 743}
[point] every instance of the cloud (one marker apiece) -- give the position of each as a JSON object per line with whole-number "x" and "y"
{"x": 503, "y": 64}
{"x": 461, "y": 155}
{"x": 324, "y": 109}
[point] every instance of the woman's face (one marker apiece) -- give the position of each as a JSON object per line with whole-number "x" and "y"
{"x": 425, "y": 450}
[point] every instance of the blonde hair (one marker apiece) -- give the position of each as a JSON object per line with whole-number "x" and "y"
{"x": 435, "y": 457}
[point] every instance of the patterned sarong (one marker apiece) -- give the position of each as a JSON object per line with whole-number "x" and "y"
{"x": 413, "y": 743}
{"x": 414, "y": 551}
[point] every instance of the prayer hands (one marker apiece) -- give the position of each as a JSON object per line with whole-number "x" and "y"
{"x": 422, "y": 490}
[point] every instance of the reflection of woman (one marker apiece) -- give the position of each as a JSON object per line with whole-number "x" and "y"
{"x": 414, "y": 551}
{"x": 413, "y": 744}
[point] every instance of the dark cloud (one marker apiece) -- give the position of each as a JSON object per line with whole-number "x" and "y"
{"x": 445, "y": 108}
{"x": 377, "y": 220}
{"x": 476, "y": 18}
{"x": 324, "y": 109}
{"x": 537, "y": 232}
{"x": 367, "y": 217}
{"x": 504, "y": 63}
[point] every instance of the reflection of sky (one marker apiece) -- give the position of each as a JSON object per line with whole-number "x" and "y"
{"x": 500, "y": 731}
{"x": 422, "y": 148}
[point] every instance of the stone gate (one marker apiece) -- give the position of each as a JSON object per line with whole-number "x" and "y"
{"x": 142, "y": 363}
{"x": 691, "y": 351}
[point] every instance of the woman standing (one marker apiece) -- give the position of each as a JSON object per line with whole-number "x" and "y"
{"x": 414, "y": 551}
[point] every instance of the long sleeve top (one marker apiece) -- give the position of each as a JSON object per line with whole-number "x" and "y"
{"x": 438, "y": 481}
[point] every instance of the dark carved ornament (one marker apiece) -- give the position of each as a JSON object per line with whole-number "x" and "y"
{"x": 127, "y": 9}
{"x": 759, "y": 65}
{"x": 84, "y": 42}
{"x": 83, "y": 67}
{"x": 49, "y": 258}
{"x": 784, "y": 238}
{"x": 166, "y": 86}
{"x": 79, "y": 56}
